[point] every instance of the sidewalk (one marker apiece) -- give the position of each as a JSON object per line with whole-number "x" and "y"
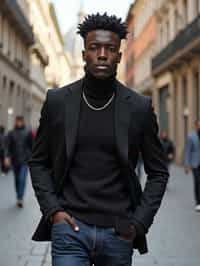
{"x": 17, "y": 225}
{"x": 174, "y": 238}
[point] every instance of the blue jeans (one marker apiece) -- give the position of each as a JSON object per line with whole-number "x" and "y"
{"x": 20, "y": 173}
{"x": 91, "y": 245}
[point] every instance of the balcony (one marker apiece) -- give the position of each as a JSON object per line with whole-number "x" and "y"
{"x": 14, "y": 13}
{"x": 39, "y": 49}
{"x": 185, "y": 46}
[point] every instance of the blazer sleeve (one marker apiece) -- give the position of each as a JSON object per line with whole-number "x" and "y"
{"x": 156, "y": 170}
{"x": 41, "y": 168}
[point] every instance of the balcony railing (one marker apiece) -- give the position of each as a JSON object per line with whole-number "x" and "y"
{"x": 14, "y": 12}
{"x": 40, "y": 50}
{"x": 179, "y": 46}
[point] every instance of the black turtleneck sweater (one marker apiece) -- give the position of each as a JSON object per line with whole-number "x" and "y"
{"x": 94, "y": 191}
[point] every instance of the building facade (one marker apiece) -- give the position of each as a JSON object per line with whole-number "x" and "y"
{"x": 176, "y": 69}
{"x": 141, "y": 48}
{"x": 32, "y": 58}
{"x": 128, "y": 58}
{"x": 49, "y": 63}
{"x": 16, "y": 37}
{"x": 74, "y": 46}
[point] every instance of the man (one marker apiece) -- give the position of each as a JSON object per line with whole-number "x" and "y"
{"x": 168, "y": 147}
{"x": 2, "y": 146}
{"x": 192, "y": 161}
{"x": 84, "y": 157}
{"x": 19, "y": 147}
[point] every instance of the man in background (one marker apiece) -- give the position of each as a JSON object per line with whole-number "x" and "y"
{"x": 192, "y": 161}
{"x": 2, "y": 146}
{"x": 18, "y": 152}
{"x": 168, "y": 147}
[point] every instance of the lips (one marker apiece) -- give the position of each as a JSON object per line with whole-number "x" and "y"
{"x": 102, "y": 67}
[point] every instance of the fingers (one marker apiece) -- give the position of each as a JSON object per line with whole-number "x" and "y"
{"x": 71, "y": 221}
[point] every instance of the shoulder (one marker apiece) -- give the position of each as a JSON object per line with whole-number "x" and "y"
{"x": 57, "y": 94}
{"x": 138, "y": 101}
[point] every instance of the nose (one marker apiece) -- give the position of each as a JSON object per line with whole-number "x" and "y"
{"x": 102, "y": 55}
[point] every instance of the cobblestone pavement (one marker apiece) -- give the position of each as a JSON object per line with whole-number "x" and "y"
{"x": 174, "y": 238}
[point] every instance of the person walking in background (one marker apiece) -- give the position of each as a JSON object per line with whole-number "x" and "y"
{"x": 84, "y": 159}
{"x": 168, "y": 147}
{"x": 192, "y": 161}
{"x": 18, "y": 152}
{"x": 2, "y": 147}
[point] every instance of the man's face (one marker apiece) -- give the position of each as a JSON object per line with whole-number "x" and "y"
{"x": 163, "y": 135}
{"x": 102, "y": 53}
{"x": 198, "y": 125}
{"x": 19, "y": 123}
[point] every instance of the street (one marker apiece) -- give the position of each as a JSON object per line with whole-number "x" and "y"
{"x": 174, "y": 238}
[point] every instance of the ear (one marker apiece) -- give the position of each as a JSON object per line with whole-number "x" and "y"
{"x": 83, "y": 55}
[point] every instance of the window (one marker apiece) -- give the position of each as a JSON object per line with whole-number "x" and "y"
{"x": 4, "y": 82}
{"x": 197, "y": 7}
{"x": 196, "y": 95}
{"x": 1, "y": 30}
{"x": 161, "y": 37}
{"x": 167, "y": 31}
{"x": 175, "y": 98}
{"x": 177, "y": 21}
{"x": 185, "y": 14}
{"x": 185, "y": 106}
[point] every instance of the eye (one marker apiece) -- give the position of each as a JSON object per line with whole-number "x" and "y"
{"x": 92, "y": 47}
{"x": 112, "y": 48}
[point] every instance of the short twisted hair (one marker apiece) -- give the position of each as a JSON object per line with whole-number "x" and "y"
{"x": 102, "y": 22}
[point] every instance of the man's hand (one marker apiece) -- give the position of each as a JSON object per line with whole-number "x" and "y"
{"x": 187, "y": 169}
{"x": 129, "y": 234}
{"x": 64, "y": 216}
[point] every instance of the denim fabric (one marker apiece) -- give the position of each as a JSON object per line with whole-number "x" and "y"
{"x": 91, "y": 245}
{"x": 20, "y": 173}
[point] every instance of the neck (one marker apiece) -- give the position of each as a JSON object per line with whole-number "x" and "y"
{"x": 99, "y": 88}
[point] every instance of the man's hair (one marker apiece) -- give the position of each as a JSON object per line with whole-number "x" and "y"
{"x": 19, "y": 117}
{"x": 102, "y": 22}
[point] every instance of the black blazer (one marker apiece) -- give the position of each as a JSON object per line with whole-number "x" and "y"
{"x": 135, "y": 129}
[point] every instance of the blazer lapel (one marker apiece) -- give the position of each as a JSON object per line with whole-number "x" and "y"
{"x": 122, "y": 121}
{"x": 72, "y": 111}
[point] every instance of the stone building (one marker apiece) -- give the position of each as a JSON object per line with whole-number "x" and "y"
{"x": 49, "y": 64}
{"x": 127, "y": 64}
{"x": 16, "y": 37}
{"x": 176, "y": 69}
{"x": 73, "y": 44}
{"x": 32, "y": 58}
{"x": 141, "y": 45}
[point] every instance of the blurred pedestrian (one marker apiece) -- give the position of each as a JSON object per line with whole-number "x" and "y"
{"x": 168, "y": 147}
{"x": 84, "y": 159}
{"x": 18, "y": 152}
{"x": 34, "y": 133}
{"x": 192, "y": 161}
{"x": 2, "y": 146}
